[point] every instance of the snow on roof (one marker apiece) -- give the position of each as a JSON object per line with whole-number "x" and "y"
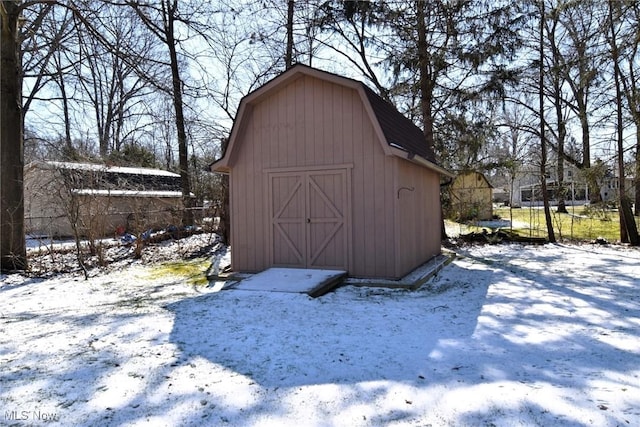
{"x": 124, "y": 193}
{"x": 106, "y": 168}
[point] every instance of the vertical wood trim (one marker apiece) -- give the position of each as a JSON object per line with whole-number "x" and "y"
{"x": 307, "y": 229}
{"x": 319, "y": 100}
{"x": 337, "y": 118}
{"x": 358, "y": 186}
{"x": 370, "y": 235}
{"x": 349, "y": 221}
{"x": 299, "y": 121}
{"x": 379, "y": 213}
{"x": 257, "y": 241}
{"x": 309, "y": 141}
{"x": 233, "y": 235}
{"x": 397, "y": 240}
{"x": 287, "y": 125}
{"x": 268, "y": 182}
{"x": 346, "y": 138}
{"x": 249, "y": 202}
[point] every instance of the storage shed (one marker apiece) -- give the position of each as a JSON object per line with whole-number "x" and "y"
{"x": 99, "y": 199}
{"x": 326, "y": 174}
{"x": 471, "y": 196}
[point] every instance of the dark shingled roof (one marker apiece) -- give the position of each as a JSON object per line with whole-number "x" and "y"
{"x": 398, "y": 129}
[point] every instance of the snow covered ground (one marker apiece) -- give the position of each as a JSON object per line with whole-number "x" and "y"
{"x": 505, "y": 335}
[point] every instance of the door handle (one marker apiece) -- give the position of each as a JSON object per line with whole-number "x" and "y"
{"x": 308, "y": 220}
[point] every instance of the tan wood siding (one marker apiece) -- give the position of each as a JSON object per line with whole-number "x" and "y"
{"x": 312, "y": 124}
{"x": 419, "y": 223}
{"x": 372, "y": 201}
{"x": 302, "y": 125}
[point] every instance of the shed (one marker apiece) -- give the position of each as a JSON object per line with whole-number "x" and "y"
{"x": 99, "y": 199}
{"x": 326, "y": 174}
{"x": 471, "y": 196}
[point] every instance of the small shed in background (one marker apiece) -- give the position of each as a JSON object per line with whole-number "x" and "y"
{"x": 326, "y": 174}
{"x": 101, "y": 199}
{"x": 471, "y": 197}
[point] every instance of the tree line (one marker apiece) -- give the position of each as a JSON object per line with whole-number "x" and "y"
{"x": 493, "y": 84}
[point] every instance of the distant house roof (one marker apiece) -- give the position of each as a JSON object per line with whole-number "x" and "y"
{"x": 99, "y": 179}
{"x": 464, "y": 175}
{"x": 107, "y": 168}
{"x": 403, "y": 138}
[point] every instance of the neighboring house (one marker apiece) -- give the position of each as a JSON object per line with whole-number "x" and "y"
{"x": 471, "y": 196}
{"x": 100, "y": 200}
{"x": 326, "y": 174}
{"x": 524, "y": 188}
{"x": 610, "y": 188}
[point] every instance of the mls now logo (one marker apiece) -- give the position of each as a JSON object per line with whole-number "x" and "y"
{"x": 16, "y": 415}
{"x": 30, "y": 415}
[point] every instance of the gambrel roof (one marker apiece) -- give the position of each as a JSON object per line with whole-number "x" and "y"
{"x": 399, "y": 136}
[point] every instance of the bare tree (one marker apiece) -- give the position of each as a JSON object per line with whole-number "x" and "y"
{"x": 285, "y": 34}
{"x": 351, "y": 35}
{"x": 108, "y": 73}
{"x": 46, "y": 29}
{"x": 580, "y": 62}
{"x": 42, "y": 53}
{"x": 579, "y": 59}
{"x": 161, "y": 20}
{"x": 556, "y": 94}
{"x": 517, "y": 147}
{"x": 60, "y": 66}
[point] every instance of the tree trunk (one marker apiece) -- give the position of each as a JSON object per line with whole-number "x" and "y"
{"x": 624, "y": 235}
{"x": 629, "y": 221}
{"x": 556, "y": 76}
{"x": 69, "y": 153}
{"x": 637, "y": 177}
{"x": 426, "y": 89}
{"x": 289, "y": 54}
{"x": 224, "y": 226}
{"x": 543, "y": 143}
{"x": 183, "y": 159}
{"x": 628, "y": 229}
{"x": 562, "y": 132}
{"x": 13, "y": 254}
